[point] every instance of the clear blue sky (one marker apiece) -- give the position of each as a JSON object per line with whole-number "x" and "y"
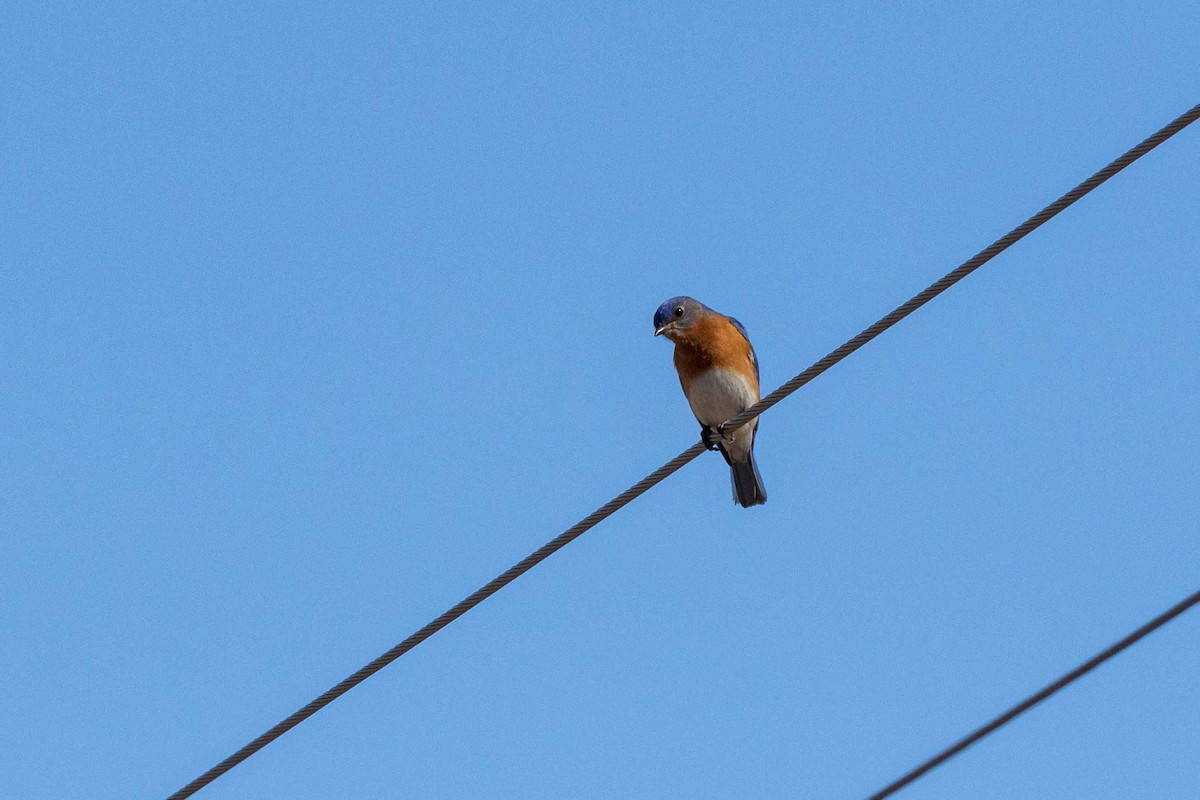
{"x": 315, "y": 318}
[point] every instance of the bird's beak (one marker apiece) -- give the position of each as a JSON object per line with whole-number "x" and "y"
{"x": 661, "y": 329}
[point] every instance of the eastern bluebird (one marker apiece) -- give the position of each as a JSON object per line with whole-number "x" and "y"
{"x": 719, "y": 373}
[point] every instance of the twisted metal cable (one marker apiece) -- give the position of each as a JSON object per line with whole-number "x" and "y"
{"x": 639, "y": 488}
{"x": 967, "y": 267}
{"x": 481, "y": 594}
{"x": 1037, "y": 697}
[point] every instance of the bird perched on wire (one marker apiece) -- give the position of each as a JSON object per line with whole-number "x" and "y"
{"x": 719, "y": 373}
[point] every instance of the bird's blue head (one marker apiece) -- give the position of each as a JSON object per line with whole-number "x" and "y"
{"x": 678, "y": 313}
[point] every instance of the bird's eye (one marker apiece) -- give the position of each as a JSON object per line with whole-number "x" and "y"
{"x": 679, "y": 311}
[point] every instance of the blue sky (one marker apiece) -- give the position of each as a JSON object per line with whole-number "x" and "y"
{"x": 315, "y": 318}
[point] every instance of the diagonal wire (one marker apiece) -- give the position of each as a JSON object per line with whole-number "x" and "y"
{"x": 967, "y": 267}
{"x": 639, "y": 488}
{"x": 1031, "y": 701}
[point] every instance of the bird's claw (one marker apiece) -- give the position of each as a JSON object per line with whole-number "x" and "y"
{"x": 710, "y": 437}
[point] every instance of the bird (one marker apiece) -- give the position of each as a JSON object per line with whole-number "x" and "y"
{"x": 719, "y": 373}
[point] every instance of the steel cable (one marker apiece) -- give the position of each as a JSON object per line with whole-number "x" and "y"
{"x": 1037, "y": 697}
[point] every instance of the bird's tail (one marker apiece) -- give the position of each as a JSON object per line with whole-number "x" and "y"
{"x": 747, "y": 483}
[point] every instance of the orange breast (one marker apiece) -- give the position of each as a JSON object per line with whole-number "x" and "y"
{"x": 712, "y": 342}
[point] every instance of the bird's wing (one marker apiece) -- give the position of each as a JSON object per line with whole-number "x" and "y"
{"x": 742, "y": 330}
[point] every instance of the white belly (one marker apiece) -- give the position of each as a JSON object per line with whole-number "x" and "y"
{"x": 720, "y": 395}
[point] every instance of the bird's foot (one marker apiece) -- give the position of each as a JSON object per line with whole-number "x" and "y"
{"x": 710, "y": 437}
